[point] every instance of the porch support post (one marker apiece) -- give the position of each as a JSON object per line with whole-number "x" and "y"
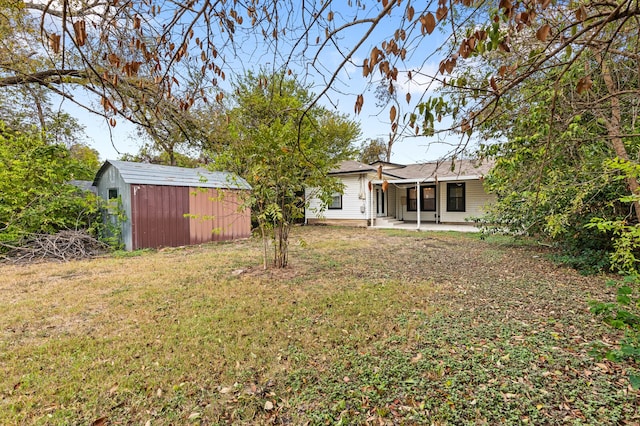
{"x": 371, "y": 205}
{"x": 418, "y": 202}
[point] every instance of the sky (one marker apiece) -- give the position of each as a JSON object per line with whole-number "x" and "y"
{"x": 112, "y": 142}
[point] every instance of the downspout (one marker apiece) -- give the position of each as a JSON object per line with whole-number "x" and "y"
{"x": 418, "y": 195}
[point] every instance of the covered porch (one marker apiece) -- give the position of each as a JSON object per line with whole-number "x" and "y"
{"x": 425, "y": 203}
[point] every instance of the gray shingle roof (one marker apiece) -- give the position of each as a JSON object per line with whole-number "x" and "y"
{"x": 443, "y": 169}
{"x": 350, "y": 166}
{"x": 155, "y": 174}
{"x": 471, "y": 169}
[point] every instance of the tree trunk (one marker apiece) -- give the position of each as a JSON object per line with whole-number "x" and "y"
{"x": 39, "y": 110}
{"x": 392, "y": 139}
{"x": 265, "y": 246}
{"x": 280, "y": 260}
{"x": 613, "y": 128}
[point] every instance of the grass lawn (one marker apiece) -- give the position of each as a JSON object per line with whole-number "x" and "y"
{"x": 365, "y": 327}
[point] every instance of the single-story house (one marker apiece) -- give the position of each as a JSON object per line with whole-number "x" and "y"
{"x": 165, "y": 206}
{"x": 440, "y": 192}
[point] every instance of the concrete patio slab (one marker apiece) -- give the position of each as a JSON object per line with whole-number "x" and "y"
{"x": 429, "y": 227}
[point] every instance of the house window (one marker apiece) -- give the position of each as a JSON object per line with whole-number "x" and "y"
{"x": 427, "y": 199}
{"x": 455, "y": 197}
{"x": 113, "y": 193}
{"x": 336, "y": 202}
{"x": 412, "y": 200}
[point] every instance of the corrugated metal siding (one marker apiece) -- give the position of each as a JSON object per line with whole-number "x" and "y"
{"x": 157, "y": 216}
{"x": 218, "y": 215}
{"x": 156, "y": 213}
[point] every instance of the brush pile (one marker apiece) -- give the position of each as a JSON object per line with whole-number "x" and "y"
{"x": 61, "y": 247}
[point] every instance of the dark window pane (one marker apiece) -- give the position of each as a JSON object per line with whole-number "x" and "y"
{"x": 428, "y": 198}
{"x": 455, "y": 197}
{"x": 336, "y": 202}
{"x": 412, "y": 201}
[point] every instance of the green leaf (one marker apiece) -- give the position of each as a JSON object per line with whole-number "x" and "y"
{"x": 623, "y": 299}
{"x": 630, "y": 351}
{"x": 635, "y": 381}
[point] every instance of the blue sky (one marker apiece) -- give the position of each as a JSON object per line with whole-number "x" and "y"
{"x": 111, "y": 142}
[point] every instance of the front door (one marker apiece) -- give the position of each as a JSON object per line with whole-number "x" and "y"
{"x": 380, "y": 202}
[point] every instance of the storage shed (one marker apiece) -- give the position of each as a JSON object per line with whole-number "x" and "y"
{"x": 169, "y": 206}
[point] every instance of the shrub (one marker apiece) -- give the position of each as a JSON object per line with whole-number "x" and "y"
{"x": 35, "y": 193}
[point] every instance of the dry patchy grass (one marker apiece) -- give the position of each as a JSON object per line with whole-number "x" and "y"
{"x": 365, "y": 326}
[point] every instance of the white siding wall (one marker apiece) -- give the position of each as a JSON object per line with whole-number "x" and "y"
{"x": 475, "y": 200}
{"x": 353, "y": 199}
{"x": 424, "y": 216}
{"x": 356, "y": 187}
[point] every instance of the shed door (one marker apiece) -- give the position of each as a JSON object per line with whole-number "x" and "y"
{"x": 157, "y": 216}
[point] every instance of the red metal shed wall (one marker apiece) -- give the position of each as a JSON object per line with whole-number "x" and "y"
{"x": 217, "y": 215}
{"x": 158, "y": 216}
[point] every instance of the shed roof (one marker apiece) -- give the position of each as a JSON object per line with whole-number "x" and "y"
{"x": 155, "y": 174}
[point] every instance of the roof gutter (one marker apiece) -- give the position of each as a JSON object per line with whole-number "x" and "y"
{"x": 433, "y": 179}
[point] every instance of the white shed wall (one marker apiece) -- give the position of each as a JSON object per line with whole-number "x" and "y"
{"x": 112, "y": 179}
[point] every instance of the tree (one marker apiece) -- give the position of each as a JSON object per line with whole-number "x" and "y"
{"x": 281, "y": 147}
{"x": 569, "y": 43}
{"x": 132, "y": 50}
{"x": 27, "y": 108}
{"x": 35, "y": 194}
{"x": 149, "y": 154}
{"x": 372, "y": 150}
{"x": 148, "y": 61}
{"x": 88, "y": 157}
{"x": 553, "y": 137}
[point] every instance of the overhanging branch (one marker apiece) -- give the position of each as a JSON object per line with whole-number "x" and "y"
{"x": 42, "y": 77}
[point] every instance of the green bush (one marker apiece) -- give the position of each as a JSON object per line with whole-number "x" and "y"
{"x": 623, "y": 314}
{"x": 35, "y": 193}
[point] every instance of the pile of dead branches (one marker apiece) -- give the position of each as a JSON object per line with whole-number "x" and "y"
{"x": 61, "y": 247}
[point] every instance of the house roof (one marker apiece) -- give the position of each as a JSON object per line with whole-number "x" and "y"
{"x": 350, "y": 166}
{"x": 386, "y": 165}
{"x": 440, "y": 170}
{"x": 443, "y": 170}
{"x": 155, "y": 174}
